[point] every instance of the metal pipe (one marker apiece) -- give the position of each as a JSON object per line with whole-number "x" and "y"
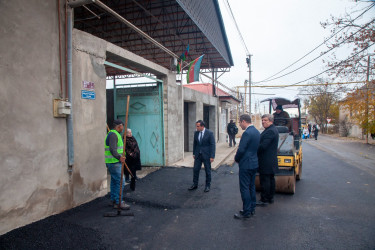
{"x": 69, "y": 118}
{"x": 78, "y": 3}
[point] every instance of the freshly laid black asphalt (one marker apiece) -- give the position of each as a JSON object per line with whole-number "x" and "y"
{"x": 333, "y": 208}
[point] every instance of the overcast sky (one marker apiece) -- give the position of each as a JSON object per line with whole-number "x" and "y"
{"x": 277, "y": 33}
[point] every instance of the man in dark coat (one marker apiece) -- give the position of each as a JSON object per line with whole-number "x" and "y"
{"x": 232, "y": 131}
{"x": 316, "y": 131}
{"x": 267, "y": 156}
{"x": 247, "y": 159}
{"x": 204, "y": 147}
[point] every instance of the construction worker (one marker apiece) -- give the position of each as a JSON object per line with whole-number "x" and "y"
{"x": 282, "y": 118}
{"x": 114, "y": 148}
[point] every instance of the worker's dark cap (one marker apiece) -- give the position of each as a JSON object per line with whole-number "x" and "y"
{"x": 117, "y": 122}
{"x": 279, "y": 107}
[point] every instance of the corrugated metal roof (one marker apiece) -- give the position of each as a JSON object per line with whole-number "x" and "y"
{"x": 207, "y": 16}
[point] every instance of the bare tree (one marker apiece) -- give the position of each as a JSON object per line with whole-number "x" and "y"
{"x": 360, "y": 37}
{"x": 321, "y": 103}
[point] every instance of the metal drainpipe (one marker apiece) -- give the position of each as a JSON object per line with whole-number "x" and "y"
{"x": 69, "y": 119}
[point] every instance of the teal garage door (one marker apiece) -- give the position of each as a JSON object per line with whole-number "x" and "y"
{"x": 145, "y": 119}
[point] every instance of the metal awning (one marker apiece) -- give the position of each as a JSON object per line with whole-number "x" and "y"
{"x": 172, "y": 23}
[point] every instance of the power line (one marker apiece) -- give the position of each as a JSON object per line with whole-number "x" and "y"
{"x": 267, "y": 79}
{"x": 307, "y": 85}
{"x": 342, "y": 61}
{"x": 238, "y": 29}
{"x": 334, "y": 66}
{"x": 335, "y": 47}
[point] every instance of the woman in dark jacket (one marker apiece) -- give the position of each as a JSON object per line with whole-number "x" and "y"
{"x": 133, "y": 158}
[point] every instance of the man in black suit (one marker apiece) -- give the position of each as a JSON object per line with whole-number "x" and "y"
{"x": 203, "y": 152}
{"x": 247, "y": 159}
{"x": 267, "y": 156}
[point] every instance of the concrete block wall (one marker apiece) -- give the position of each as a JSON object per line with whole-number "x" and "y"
{"x": 173, "y": 119}
{"x": 89, "y": 118}
{"x": 35, "y": 181}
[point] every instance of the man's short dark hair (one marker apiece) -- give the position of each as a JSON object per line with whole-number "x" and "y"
{"x": 246, "y": 118}
{"x": 201, "y": 123}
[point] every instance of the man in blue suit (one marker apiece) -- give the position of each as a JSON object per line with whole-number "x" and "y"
{"x": 203, "y": 152}
{"x": 247, "y": 159}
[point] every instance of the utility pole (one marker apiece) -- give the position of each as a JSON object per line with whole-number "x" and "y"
{"x": 248, "y": 61}
{"x": 367, "y": 94}
{"x": 238, "y": 97}
{"x": 244, "y": 110}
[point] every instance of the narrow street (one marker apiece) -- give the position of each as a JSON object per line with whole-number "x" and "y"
{"x": 333, "y": 208}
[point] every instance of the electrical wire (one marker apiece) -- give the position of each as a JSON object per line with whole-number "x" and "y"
{"x": 267, "y": 79}
{"x": 335, "y": 47}
{"x": 333, "y": 66}
{"x": 341, "y": 62}
{"x": 227, "y": 5}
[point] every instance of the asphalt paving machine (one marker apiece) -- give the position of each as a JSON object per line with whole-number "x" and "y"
{"x": 289, "y": 152}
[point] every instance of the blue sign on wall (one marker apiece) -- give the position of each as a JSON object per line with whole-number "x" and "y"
{"x": 85, "y": 94}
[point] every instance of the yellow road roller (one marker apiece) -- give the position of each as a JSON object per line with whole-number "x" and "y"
{"x": 289, "y": 152}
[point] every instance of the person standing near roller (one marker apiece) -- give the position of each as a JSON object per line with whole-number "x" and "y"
{"x": 247, "y": 160}
{"x": 267, "y": 158}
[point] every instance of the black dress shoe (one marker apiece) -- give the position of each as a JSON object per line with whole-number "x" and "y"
{"x": 252, "y": 213}
{"x": 241, "y": 216}
{"x": 193, "y": 187}
{"x": 207, "y": 189}
{"x": 261, "y": 204}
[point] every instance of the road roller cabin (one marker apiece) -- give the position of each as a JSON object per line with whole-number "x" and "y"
{"x": 289, "y": 152}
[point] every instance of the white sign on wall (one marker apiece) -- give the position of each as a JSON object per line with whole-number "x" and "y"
{"x": 88, "y": 85}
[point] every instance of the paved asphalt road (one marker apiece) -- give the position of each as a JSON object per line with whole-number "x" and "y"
{"x": 333, "y": 208}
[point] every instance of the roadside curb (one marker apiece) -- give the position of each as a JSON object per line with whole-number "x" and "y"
{"x": 225, "y": 159}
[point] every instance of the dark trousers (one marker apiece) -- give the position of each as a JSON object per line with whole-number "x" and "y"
{"x": 247, "y": 189}
{"x": 197, "y": 168}
{"x": 232, "y": 138}
{"x": 316, "y": 135}
{"x": 267, "y": 183}
{"x": 133, "y": 179}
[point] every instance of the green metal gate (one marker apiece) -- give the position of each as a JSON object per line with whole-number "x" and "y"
{"x": 145, "y": 119}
